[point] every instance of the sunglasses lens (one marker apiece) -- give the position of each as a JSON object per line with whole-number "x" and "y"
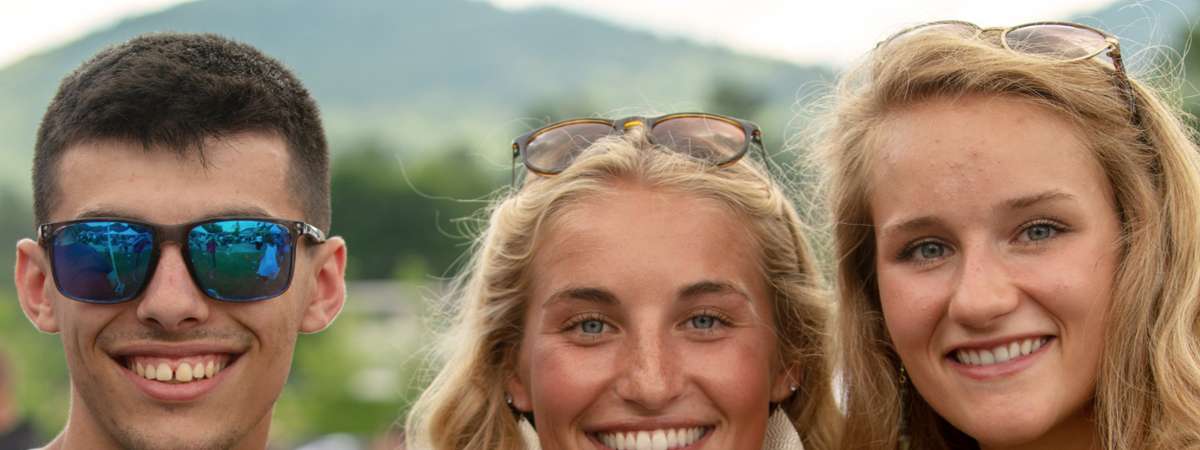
{"x": 101, "y": 261}
{"x": 553, "y": 150}
{"x": 241, "y": 260}
{"x": 1056, "y": 41}
{"x": 706, "y": 138}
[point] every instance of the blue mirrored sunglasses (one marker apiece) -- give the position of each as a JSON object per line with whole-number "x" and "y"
{"x": 230, "y": 259}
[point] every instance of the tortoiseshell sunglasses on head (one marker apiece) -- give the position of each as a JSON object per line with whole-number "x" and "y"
{"x": 720, "y": 140}
{"x": 1063, "y": 41}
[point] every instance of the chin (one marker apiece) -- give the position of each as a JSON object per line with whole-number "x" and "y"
{"x": 189, "y": 435}
{"x": 1015, "y": 429}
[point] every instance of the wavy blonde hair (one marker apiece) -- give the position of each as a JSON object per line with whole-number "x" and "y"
{"x": 464, "y": 407}
{"x": 1148, "y": 388}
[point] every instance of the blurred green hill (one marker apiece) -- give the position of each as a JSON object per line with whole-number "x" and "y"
{"x": 418, "y": 74}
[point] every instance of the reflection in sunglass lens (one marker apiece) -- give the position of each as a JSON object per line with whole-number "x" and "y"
{"x": 241, "y": 260}
{"x": 103, "y": 261}
{"x": 705, "y": 138}
{"x": 1056, "y": 41}
{"x": 554, "y": 150}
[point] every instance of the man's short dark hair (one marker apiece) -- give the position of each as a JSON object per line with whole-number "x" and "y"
{"x": 174, "y": 91}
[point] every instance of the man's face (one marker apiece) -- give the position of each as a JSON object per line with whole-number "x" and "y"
{"x": 172, "y": 323}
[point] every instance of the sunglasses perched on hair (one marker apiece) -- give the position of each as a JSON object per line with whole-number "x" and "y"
{"x": 716, "y": 139}
{"x": 1062, "y": 41}
{"x": 230, "y": 259}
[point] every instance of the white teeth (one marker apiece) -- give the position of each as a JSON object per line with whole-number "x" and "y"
{"x": 999, "y": 354}
{"x": 651, "y": 440}
{"x": 163, "y": 372}
{"x": 659, "y": 440}
{"x": 183, "y": 373}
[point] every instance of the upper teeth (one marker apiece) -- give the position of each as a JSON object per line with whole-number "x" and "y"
{"x": 183, "y": 371}
{"x": 999, "y": 354}
{"x": 652, "y": 440}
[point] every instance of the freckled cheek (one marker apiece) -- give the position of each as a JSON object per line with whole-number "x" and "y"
{"x": 911, "y": 310}
{"x": 565, "y": 380}
{"x": 736, "y": 377}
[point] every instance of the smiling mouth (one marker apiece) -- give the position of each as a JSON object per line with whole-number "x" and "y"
{"x": 665, "y": 439}
{"x": 982, "y": 357}
{"x": 178, "y": 370}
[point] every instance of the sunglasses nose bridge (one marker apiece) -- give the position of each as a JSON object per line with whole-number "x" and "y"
{"x": 171, "y": 299}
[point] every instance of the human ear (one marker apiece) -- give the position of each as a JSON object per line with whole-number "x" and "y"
{"x": 33, "y": 282}
{"x": 519, "y": 393}
{"x": 329, "y": 294}
{"x": 787, "y": 380}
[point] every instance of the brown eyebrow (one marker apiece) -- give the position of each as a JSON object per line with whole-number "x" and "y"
{"x": 1030, "y": 200}
{"x": 604, "y": 297}
{"x": 710, "y": 287}
{"x": 585, "y": 294}
{"x": 911, "y": 224}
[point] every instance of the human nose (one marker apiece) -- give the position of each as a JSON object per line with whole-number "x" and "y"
{"x": 171, "y": 301}
{"x": 650, "y": 377}
{"x": 984, "y": 291}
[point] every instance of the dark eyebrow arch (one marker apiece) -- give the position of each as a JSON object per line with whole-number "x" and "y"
{"x": 585, "y": 294}
{"x": 1016, "y": 203}
{"x": 710, "y": 287}
{"x": 1031, "y": 200}
{"x": 108, "y": 212}
{"x": 911, "y": 224}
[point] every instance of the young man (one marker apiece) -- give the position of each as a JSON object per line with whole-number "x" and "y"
{"x": 150, "y": 151}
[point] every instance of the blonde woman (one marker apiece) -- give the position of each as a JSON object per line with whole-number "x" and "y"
{"x": 1016, "y": 227}
{"x": 647, "y": 287}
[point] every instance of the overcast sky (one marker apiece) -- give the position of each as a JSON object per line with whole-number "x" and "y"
{"x": 830, "y": 31}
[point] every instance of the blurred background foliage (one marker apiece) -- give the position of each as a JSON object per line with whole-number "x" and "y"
{"x": 421, "y": 100}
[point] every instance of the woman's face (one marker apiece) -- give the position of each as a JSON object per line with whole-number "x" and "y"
{"x": 997, "y": 243}
{"x": 648, "y": 319}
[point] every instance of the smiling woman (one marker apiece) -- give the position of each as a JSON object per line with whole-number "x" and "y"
{"x": 1015, "y": 222}
{"x": 638, "y": 298}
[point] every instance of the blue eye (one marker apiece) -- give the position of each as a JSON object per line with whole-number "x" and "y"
{"x": 931, "y": 250}
{"x": 1039, "y": 232}
{"x": 703, "y": 322}
{"x": 591, "y": 326}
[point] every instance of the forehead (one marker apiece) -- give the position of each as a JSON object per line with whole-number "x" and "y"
{"x": 976, "y": 149}
{"x": 635, "y": 234}
{"x": 240, "y": 174}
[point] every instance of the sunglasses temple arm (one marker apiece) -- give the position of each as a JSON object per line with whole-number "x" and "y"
{"x": 1126, "y": 85}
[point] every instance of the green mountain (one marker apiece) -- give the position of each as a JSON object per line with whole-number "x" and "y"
{"x": 424, "y": 74}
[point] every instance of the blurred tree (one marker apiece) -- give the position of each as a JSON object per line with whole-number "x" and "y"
{"x": 1191, "y": 67}
{"x": 16, "y": 222}
{"x": 399, "y": 219}
{"x": 736, "y": 98}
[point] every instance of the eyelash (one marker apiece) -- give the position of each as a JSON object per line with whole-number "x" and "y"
{"x": 908, "y": 253}
{"x": 1055, "y": 226}
{"x": 574, "y": 323}
{"x": 720, "y": 319}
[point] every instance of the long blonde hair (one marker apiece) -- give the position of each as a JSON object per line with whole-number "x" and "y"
{"x": 465, "y": 408}
{"x": 1148, "y": 388}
